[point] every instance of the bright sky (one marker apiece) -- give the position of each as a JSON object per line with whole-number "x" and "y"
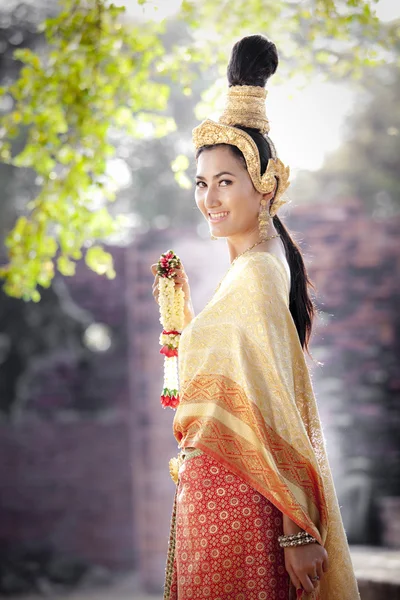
{"x": 305, "y": 124}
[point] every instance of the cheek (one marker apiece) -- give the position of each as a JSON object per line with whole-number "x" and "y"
{"x": 245, "y": 207}
{"x": 252, "y": 199}
{"x": 236, "y": 198}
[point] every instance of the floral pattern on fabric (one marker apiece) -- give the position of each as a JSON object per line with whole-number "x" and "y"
{"x": 226, "y": 544}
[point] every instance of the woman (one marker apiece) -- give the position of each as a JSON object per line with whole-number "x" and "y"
{"x": 255, "y": 512}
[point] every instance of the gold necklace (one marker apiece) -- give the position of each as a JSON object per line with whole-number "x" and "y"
{"x": 241, "y": 254}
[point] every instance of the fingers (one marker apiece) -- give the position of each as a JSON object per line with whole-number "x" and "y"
{"x": 306, "y": 566}
{"x": 155, "y": 293}
{"x": 319, "y": 572}
{"x": 311, "y": 581}
{"x": 302, "y": 583}
{"x": 294, "y": 579}
{"x": 153, "y": 268}
{"x": 325, "y": 564}
{"x": 301, "y": 579}
{"x": 306, "y": 583}
{"x": 314, "y": 578}
{"x": 180, "y": 279}
{"x": 180, "y": 272}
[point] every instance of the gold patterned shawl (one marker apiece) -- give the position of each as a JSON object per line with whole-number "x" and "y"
{"x": 246, "y": 399}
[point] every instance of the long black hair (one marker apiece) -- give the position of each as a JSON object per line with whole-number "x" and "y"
{"x": 253, "y": 60}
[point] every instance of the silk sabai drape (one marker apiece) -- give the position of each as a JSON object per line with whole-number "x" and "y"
{"x": 247, "y": 400}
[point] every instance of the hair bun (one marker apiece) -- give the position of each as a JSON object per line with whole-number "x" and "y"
{"x": 253, "y": 60}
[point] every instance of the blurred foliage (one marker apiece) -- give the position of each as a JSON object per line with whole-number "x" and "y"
{"x": 99, "y": 75}
{"x": 366, "y": 165}
{"x": 336, "y": 38}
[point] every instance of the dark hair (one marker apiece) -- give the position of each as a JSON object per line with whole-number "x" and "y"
{"x": 253, "y": 60}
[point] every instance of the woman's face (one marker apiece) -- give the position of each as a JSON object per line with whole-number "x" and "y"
{"x": 223, "y": 185}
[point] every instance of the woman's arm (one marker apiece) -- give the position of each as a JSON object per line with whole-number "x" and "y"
{"x": 290, "y": 526}
{"x": 303, "y": 562}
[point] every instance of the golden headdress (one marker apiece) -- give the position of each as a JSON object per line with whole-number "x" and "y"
{"x": 245, "y": 105}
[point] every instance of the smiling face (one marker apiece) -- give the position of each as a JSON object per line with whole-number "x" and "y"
{"x": 223, "y": 185}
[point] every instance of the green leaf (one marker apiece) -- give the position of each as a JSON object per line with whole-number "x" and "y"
{"x": 183, "y": 180}
{"x": 101, "y": 224}
{"x": 66, "y": 266}
{"x": 100, "y": 261}
{"x": 180, "y": 163}
{"x": 34, "y": 296}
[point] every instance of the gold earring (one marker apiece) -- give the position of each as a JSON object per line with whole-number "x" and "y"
{"x": 263, "y": 219}
{"x": 273, "y": 208}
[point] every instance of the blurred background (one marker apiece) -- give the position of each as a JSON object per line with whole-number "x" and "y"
{"x": 86, "y": 495}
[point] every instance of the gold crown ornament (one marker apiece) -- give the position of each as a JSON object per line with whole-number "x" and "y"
{"x": 245, "y": 106}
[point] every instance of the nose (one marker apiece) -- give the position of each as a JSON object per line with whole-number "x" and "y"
{"x": 211, "y": 199}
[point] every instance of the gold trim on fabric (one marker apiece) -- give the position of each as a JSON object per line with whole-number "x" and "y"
{"x": 192, "y": 453}
{"x": 245, "y": 431}
{"x": 302, "y": 500}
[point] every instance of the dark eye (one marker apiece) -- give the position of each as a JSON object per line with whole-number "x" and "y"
{"x": 197, "y": 183}
{"x": 228, "y": 181}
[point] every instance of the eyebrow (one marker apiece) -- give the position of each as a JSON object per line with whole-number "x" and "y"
{"x": 217, "y": 175}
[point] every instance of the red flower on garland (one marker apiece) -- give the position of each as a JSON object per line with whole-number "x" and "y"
{"x": 167, "y": 267}
{"x": 167, "y": 264}
{"x": 171, "y": 401}
{"x": 169, "y": 351}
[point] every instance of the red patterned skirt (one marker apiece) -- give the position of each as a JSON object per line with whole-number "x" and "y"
{"x": 223, "y": 539}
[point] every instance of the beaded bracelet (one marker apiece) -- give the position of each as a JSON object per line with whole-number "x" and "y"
{"x": 296, "y": 539}
{"x": 294, "y": 536}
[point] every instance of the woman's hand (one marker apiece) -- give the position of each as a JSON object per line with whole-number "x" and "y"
{"x": 304, "y": 562}
{"x": 181, "y": 280}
